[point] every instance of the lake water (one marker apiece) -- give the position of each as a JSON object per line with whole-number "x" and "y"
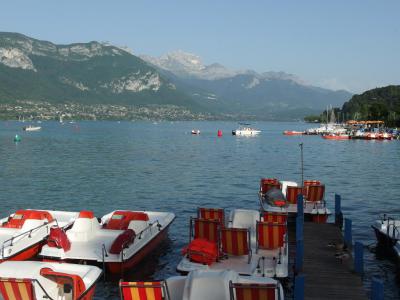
{"x": 104, "y": 166}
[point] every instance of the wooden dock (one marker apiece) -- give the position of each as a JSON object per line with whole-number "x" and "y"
{"x": 326, "y": 275}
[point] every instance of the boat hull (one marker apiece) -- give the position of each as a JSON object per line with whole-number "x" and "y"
{"x": 336, "y": 137}
{"x": 287, "y": 132}
{"x": 25, "y": 254}
{"x": 384, "y": 239}
{"x": 117, "y": 267}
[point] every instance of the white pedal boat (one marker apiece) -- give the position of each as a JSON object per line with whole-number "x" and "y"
{"x": 387, "y": 231}
{"x": 313, "y": 191}
{"x": 248, "y": 244}
{"x": 119, "y": 241}
{"x": 30, "y": 280}
{"x": 23, "y": 233}
{"x": 202, "y": 284}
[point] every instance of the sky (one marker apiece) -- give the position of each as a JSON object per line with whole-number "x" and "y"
{"x": 352, "y": 45}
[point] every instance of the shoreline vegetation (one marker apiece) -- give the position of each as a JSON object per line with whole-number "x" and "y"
{"x": 380, "y": 104}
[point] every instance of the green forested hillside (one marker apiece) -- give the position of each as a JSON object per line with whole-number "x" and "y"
{"x": 376, "y": 104}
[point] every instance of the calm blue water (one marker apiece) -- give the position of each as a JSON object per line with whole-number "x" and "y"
{"x": 105, "y": 166}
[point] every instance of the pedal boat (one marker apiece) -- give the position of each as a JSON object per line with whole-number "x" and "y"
{"x": 119, "y": 241}
{"x": 387, "y": 232}
{"x": 32, "y": 280}
{"x": 205, "y": 284}
{"x": 281, "y": 197}
{"x": 24, "y": 232}
{"x": 248, "y": 243}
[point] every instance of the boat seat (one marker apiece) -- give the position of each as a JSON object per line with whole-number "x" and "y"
{"x": 243, "y": 218}
{"x": 267, "y": 184}
{"x": 11, "y": 288}
{"x": 275, "y": 217}
{"x": 236, "y": 242}
{"x": 270, "y": 235}
{"x": 292, "y": 192}
{"x": 139, "y": 290}
{"x": 210, "y": 285}
{"x": 253, "y": 291}
{"x": 205, "y": 229}
{"x": 84, "y": 227}
{"x": 211, "y": 214}
{"x": 120, "y": 220}
{"x": 315, "y": 193}
{"x": 18, "y": 220}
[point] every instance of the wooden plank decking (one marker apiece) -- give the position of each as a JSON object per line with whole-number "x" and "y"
{"x": 326, "y": 276}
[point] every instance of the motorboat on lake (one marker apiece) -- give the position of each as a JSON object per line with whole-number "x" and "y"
{"x": 23, "y": 233}
{"x": 118, "y": 241}
{"x": 337, "y": 137}
{"x": 293, "y": 132}
{"x": 245, "y": 130}
{"x": 31, "y": 128}
{"x": 246, "y": 242}
{"x": 205, "y": 284}
{"x": 32, "y": 280}
{"x": 387, "y": 232}
{"x": 281, "y": 197}
{"x": 195, "y": 131}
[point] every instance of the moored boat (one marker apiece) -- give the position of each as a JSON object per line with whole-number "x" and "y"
{"x": 339, "y": 137}
{"x": 23, "y": 233}
{"x": 245, "y": 130}
{"x": 247, "y": 242}
{"x": 45, "y": 280}
{"x": 281, "y": 196}
{"x": 120, "y": 240}
{"x": 31, "y": 128}
{"x": 293, "y": 132}
{"x": 387, "y": 231}
{"x": 205, "y": 284}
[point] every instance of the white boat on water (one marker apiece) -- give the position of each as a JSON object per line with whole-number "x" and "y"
{"x": 205, "y": 284}
{"x": 387, "y": 231}
{"x": 281, "y": 197}
{"x": 119, "y": 240}
{"x": 246, "y": 243}
{"x": 23, "y": 233}
{"x": 31, "y": 128}
{"x": 47, "y": 280}
{"x": 245, "y": 130}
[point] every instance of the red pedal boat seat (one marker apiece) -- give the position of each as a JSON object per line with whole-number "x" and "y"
{"x": 123, "y": 240}
{"x": 120, "y": 219}
{"x": 20, "y": 216}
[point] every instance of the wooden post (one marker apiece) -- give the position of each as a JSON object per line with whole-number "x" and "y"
{"x": 338, "y": 211}
{"x": 348, "y": 239}
{"x": 299, "y": 287}
{"x": 300, "y": 207}
{"x": 377, "y": 289}
{"x": 359, "y": 258}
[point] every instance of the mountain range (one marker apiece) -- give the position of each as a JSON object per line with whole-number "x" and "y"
{"x": 98, "y": 73}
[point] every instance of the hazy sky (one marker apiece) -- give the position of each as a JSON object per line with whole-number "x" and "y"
{"x": 353, "y": 44}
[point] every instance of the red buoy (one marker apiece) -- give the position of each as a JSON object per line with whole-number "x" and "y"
{"x": 219, "y": 133}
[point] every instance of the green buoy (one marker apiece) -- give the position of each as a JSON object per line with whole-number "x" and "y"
{"x": 17, "y": 138}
